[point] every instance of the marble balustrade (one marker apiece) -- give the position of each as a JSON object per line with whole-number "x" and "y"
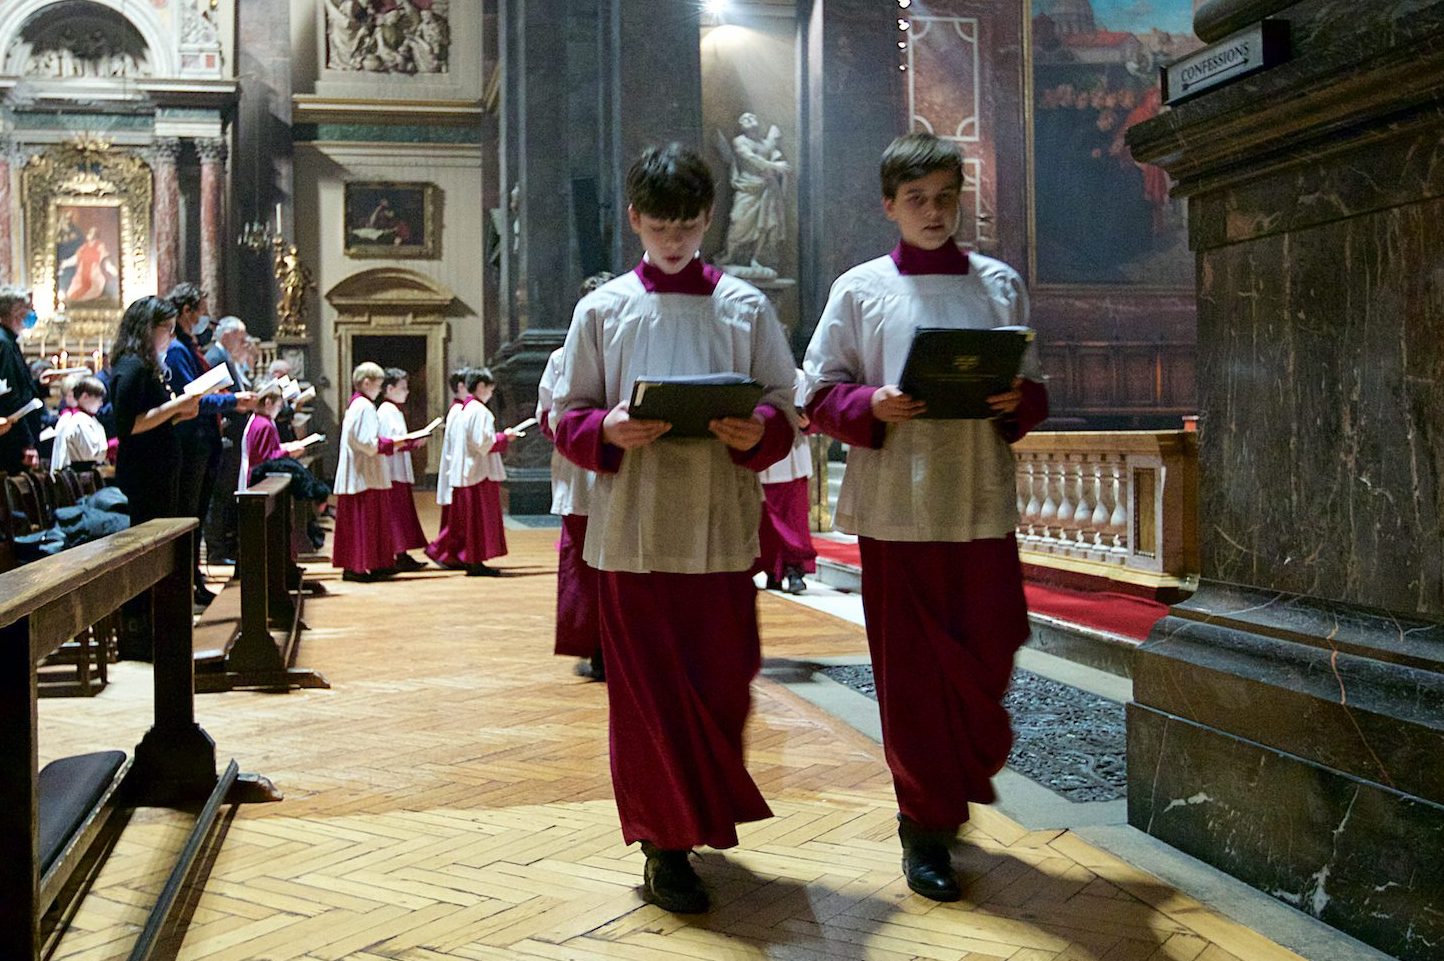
{"x": 1115, "y": 504}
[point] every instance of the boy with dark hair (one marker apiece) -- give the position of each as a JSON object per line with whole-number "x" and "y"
{"x": 933, "y": 503}
{"x": 673, "y": 524}
{"x": 456, "y": 380}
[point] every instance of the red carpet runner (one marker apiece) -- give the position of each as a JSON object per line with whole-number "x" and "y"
{"x": 1131, "y": 617}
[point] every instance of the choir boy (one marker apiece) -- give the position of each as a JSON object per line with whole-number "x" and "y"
{"x": 673, "y": 523}
{"x": 405, "y": 525}
{"x": 933, "y": 503}
{"x": 439, "y": 549}
{"x": 262, "y": 439}
{"x": 363, "y": 547}
{"x": 80, "y": 440}
{"x": 476, "y": 472}
{"x": 785, "y": 538}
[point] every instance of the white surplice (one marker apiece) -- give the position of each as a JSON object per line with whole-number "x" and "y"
{"x": 677, "y": 506}
{"x": 932, "y": 480}
{"x": 361, "y": 466}
{"x": 393, "y": 425}
{"x": 571, "y": 484}
{"x": 450, "y": 439}
{"x": 79, "y": 438}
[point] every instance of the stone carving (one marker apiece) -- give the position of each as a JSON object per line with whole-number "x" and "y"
{"x": 67, "y": 52}
{"x": 388, "y": 36}
{"x": 759, "y": 178}
{"x": 198, "y": 28}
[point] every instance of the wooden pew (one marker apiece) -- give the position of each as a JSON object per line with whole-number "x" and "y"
{"x": 49, "y": 818}
{"x": 242, "y": 652}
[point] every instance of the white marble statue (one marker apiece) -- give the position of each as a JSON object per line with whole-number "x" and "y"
{"x": 757, "y": 222}
{"x": 410, "y": 37}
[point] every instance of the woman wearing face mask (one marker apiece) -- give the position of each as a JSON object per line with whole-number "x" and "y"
{"x": 17, "y": 434}
{"x": 147, "y": 464}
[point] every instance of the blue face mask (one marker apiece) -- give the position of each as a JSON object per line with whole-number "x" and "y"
{"x": 30, "y": 320}
{"x": 202, "y": 325}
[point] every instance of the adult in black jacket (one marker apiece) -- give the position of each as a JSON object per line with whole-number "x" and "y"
{"x": 17, "y": 443}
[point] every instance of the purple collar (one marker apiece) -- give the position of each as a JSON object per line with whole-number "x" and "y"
{"x": 696, "y": 278}
{"x": 947, "y": 259}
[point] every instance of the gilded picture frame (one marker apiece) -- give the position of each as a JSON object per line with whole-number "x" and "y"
{"x": 386, "y": 220}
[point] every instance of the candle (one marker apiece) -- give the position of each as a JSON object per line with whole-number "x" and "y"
{"x": 278, "y": 218}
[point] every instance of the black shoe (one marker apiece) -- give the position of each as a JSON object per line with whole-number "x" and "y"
{"x": 481, "y": 570}
{"x": 204, "y": 596}
{"x": 795, "y": 583}
{"x": 773, "y": 584}
{"x": 926, "y": 862}
{"x": 381, "y": 573}
{"x": 670, "y": 883}
{"x": 405, "y": 562}
{"x": 359, "y": 577}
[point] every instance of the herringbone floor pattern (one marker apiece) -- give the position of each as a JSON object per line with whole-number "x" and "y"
{"x": 449, "y": 798}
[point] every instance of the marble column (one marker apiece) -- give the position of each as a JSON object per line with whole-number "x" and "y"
{"x": 1287, "y": 722}
{"x": 853, "y": 105}
{"x": 213, "y": 183}
{"x": 7, "y": 241}
{"x": 164, "y": 154}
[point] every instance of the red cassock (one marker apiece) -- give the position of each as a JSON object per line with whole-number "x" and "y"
{"x": 406, "y": 532}
{"x": 785, "y": 535}
{"x": 578, "y": 621}
{"x": 474, "y": 528}
{"x": 944, "y": 622}
{"x": 362, "y": 541}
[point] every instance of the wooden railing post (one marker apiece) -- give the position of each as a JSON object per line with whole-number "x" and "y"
{"x": 176, "y": 760}
{"x": 19, "y": 797}
{"x": 278, "y": 559}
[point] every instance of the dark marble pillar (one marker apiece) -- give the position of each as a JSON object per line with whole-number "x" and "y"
{"x": 852, "y": 106}
{"x": 261, "y": 165}
{"x": 1288, "y": 721}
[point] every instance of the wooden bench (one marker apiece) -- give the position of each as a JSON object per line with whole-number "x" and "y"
{"x": 48, "y": 819}
{"x": 235, "y": 644}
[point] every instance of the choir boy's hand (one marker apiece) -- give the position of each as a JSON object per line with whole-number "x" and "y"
{"x": 1007, "y": 402}
{"x": 619, "y": 430}
{"x": 738, "y": 433}
{"x": 892, "y": 406}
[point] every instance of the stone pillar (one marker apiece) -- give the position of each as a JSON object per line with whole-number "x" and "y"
{"x": 213, "y": 184}
{"x": 164, "y": 153}
{"x": 7, "y": 240}
{"x": 1286, "y": 724}
{"x": 853, "y": 105}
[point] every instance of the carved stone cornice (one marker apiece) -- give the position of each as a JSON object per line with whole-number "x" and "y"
{"x": 1351, "y": 81}
{"x": 1216, "y": 19}
{"x": 211, "y": 150}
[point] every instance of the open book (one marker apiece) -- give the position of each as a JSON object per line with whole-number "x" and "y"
{"x": 218, "y": 378}
{"x": 290, "y": 390}
{"x": 47, "y": 434}
{"x": 307, "y": 441}
{"x": 520, "y": 429}
{"x": 305, "y": 396}
{"x": 57, "y": 373}
{"x": 690, "y": 403}
{"x": 35, "y": 404}
{"x": 955, "y": 371}
{"x": 419, "y": 434}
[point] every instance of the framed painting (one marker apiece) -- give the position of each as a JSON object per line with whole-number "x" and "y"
{"x": 87, "y": 255}
{"x": 1098, "y": 217}
{"x": 385, "y": 220}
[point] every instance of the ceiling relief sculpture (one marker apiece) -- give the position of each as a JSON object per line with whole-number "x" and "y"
{"x": 388, "y": 36}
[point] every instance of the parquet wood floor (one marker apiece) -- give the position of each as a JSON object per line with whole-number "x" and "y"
{"x": 449, "y": 798}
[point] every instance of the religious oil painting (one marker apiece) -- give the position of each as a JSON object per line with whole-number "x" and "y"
{"x": 386, "y": 220}
{"x": 87, "y": 239}
{"x": 1099, "y": 217}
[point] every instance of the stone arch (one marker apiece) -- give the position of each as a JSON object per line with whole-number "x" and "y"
{"x": 161, "y": 48}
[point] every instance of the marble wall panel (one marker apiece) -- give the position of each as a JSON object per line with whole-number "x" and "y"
{"x": 1322, "y": 382}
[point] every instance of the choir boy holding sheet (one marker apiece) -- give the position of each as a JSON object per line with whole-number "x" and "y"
{"x": 474, "y": 528}
{"x": 933, "y": 503}
{"x": 439, "y": 549}
{"x": 80, "y": 440}
{"x": 672, "y": 529}
{"x": 405, "y": 524}
{"x": 363, "y": 546}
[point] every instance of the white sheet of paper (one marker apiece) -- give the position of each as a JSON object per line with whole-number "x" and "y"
{"x": 525, "y": 425}
{"x": 308, "y": 394}
{"x": 35, "y": 404}
{"x": 291, "y": 390}
{"x": 4, "y": 387}
{"x": 47, "y": 434}
{"x": 213, "y": 380}
{"x": 423, "y": 432}
{"x": 312, "y": 439}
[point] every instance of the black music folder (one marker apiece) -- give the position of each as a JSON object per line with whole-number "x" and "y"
{"x": 689, "y": 403}
{"x": 956, "y": 371}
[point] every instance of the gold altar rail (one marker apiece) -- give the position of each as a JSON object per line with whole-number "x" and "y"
{"x": 1122, "y": 505}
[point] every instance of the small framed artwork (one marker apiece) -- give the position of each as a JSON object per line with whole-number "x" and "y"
{"x": 385, "y": 220}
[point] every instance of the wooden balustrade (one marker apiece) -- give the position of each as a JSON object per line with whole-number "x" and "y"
{"x": 1121, "y": 505}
